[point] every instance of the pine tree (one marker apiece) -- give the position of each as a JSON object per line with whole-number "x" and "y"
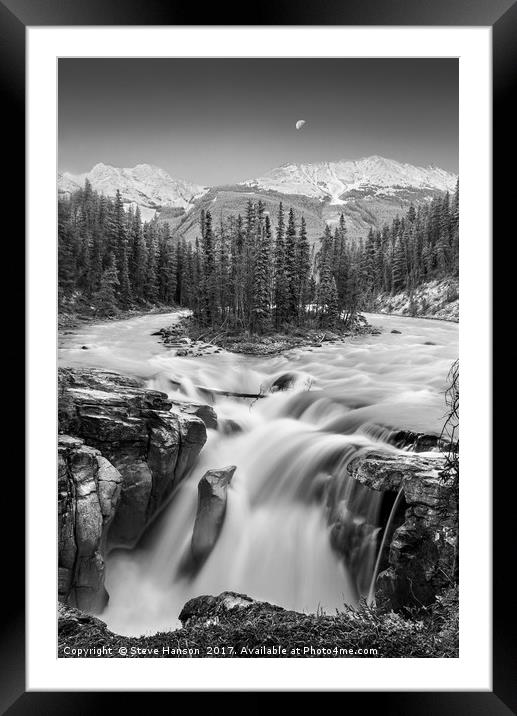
{"x": 138, "y": 256}
{"x": 261, "y": 308}
{"x": 303, "y": 270}
{"x": 333, "y": 308}
{"x": 209, "y": 284}
{"x": 198, "y": 299}
{"x": 166, "y": 267}
{"x": 455, "y": 230}
{"x": 237, "y": 270}
{"x": 399, "y": 267}
{"x": 290, "y": 270}
{"x": 251, "y": 222}
{"x": 97, "y": 256}
{"x": 105, "y": 298}
{"x": 151, "y": 281}
{"x": 223, "y": 273}
{"x": 120, "y": 240}
{"x": 184, "y": 275}
{"x": 368, "y": 265}
{"x": 326, "y": 278}
{"x": 340, "y": 263}
{"x": 279, "y": 270}
{"x": 186, "y": 282}
{"x": 125, "y": 293}
{"x": 84, "y": 280}
{"x": 353, "y": 286}
{"x": 66, "y": 258}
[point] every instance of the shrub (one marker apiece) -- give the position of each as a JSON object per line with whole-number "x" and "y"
{"x": 452, "y": 294}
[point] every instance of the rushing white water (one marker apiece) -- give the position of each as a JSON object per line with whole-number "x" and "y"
{"x": 275, "y": 542}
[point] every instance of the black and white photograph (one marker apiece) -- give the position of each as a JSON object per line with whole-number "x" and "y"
{"x": 258, "y": 362}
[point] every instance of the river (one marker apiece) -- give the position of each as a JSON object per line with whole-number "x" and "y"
{"x": 275, "y": 541}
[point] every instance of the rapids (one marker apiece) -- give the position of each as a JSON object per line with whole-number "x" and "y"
{"x": 275, "y": 540}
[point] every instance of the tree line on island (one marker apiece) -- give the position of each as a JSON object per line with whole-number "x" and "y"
{"x": 241, "y": 272}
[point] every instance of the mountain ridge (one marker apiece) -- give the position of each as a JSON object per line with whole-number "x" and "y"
{"x": 144, "y": 185}
{"x": 369, "y": 191}
{"x": 334, "y": 180}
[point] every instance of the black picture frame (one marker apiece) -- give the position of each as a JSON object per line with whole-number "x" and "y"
{"x": 15, "y": 16}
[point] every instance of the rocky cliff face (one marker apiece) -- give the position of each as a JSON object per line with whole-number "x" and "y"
{"x": 150, "y": 441}
{"x": 89, "y": 493}
{"x": 421, "y": 557}
{"x": 434, "y": 299}
{"x": 110, "y": 425}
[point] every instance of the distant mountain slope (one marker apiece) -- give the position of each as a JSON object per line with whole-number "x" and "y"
{"x": 225, "y": 201}
{"x": 361, "y": 211}
{"x": 147, "y": 186}
{"x": 336, "y": 182}
{"x": 369, "y": 192}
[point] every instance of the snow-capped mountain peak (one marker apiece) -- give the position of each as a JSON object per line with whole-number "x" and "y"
{"x": 144, "y": 185}
{"x": 332, "y": 181}
{"x": 381, "y": 186}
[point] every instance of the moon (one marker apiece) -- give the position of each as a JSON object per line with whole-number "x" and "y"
{"x": 300, "y": 123}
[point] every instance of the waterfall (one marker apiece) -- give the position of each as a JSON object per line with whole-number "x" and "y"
{"x": 371, "y": 592}
{"x": 279, "y": 541}
{"x": 297, "y": 531}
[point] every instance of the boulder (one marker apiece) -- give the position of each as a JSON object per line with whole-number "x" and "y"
{"x": 383, "y": 472}
{"x": 283, "y": 382}
{"x": 89, "y": 492}
{"x": 151, "y": 442}
{"x": 395, "y": 331}
{"x": 229, "y": 427}
{"x": 206, "y": 610}
{"x": 417, "y": 442}
{"x": 200, "y": 410}
{"x": 211, "y": 509}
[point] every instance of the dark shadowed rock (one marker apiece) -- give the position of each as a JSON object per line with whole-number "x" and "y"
{"x": 283, "y": 382}
{"x": 150, "y": 441}
{"x": 89, "y": 492}
{"x": 353, "y": 539}
{"x": 229, "y": 426}
{"x": 211, "y": 509}
{"x": 395, "y": 331}
{"x": 423, "y": 551}
{"x": 417, "y": 442}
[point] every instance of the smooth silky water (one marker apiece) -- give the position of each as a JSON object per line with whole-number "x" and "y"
{"x": 275, "y": 543}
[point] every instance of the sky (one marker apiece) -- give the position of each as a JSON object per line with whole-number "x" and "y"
{"x": 218, "y": 121}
